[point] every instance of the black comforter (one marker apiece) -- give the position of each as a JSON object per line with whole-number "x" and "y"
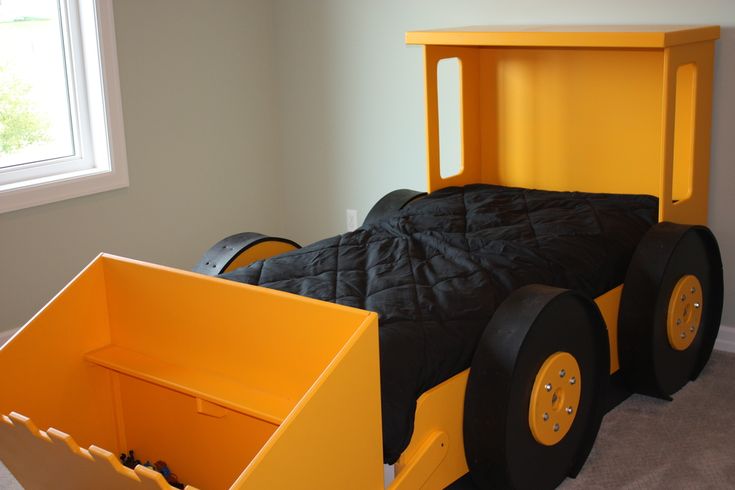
{"x": 436, "y": 272}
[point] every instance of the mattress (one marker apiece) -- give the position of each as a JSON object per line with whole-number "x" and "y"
{"x": 436, "y": 271}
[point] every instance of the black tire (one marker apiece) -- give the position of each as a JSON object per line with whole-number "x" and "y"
{"x": 226, "y": 252}
{"x": 667, "y": 253}
{"x": 390, "y": 204}
{"x": 531, "y": 325}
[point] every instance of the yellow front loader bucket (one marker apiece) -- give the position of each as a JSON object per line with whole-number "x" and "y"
{"x": 233, "y": 386}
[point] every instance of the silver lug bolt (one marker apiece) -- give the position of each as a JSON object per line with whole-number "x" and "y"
{"x": 691, "y": 329}
{"x": 548, "y": 386}
{"x": 570, "y": 410}
{"x": 693, "y": 290}
{"x": 678, "y": 321}
{"x": 697, "y": 305}
{"x": 562, "y": 373}
{"x": 546, "y": 416}
{"x": 556, "y": 427}
{"x": 683, "y": 335}
{"x": 572, "y": 380}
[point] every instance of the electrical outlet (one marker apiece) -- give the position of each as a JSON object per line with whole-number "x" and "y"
{"x": 351, "y": 219}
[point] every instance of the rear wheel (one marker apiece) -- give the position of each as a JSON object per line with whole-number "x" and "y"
{"x": 670, "y": 309}
{"x": 536, "y": 390}
{"x": 390, "y": 204}
{"x": 240, "y": 250}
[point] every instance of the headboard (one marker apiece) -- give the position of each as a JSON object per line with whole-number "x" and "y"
{"x": 620, "y": 109}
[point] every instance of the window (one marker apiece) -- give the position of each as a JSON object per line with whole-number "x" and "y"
{"x": 61, "y": 129}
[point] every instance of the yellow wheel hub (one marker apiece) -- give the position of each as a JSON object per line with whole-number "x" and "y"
{"x": 555, "y": 398}
{"x": 685, "y": 312}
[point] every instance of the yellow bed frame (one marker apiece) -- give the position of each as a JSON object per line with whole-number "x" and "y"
{"x": 241, "y": 387}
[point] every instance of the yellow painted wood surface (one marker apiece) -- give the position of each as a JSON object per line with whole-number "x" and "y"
{"x": 206, "y": 374}
{"x": 568, "y": 36}
{"x": 609, "y": 305}
{"x": 579, "y": 110}
{"x": 438, "y": 411}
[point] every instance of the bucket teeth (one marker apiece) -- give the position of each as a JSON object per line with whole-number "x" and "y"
{"x": 59, "y": 437}
{"x": 85, "y": 468}
{"x": 25, "y": 422}
{"x": 104, "y": 456}
{"x": 149, "y": 476}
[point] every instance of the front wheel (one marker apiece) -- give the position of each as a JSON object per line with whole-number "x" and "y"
{"x": 536, "y": 390}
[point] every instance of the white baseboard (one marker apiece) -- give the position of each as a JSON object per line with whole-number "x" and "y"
{"x": 726, "y": 339}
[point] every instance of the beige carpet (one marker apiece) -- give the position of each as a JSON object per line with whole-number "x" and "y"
{"x": 689, "y": 443}
{"x": 651, "y": 444}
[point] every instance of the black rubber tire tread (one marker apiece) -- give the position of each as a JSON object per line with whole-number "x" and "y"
{"x": 667, "y": 252}
{"x": 224, "y": 252}
{"x": 533, "y": 323}
{"x": 391, "y": 203}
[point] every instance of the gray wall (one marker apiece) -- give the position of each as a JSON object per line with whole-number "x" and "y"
{"x": 278, "y": 115}
{"x": 352, "y": 98}
{"x": 198, "y": 104}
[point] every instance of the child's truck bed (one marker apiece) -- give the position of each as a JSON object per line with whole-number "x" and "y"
{"x": 236, "y": 386}
{"x": 225, "y": 382}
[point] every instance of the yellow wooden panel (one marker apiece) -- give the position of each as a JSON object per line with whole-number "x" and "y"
{"x": 438, "y": 411}
{"x": 202, "y": 373}
{"x": 609, "y": 304}
{"x": 45, "y": 376}
{"x": 235, "y": 395}
{"x": 579, "y": 36}
{"x": 470, "y": 165}
{"x": 236, "y": 331}
{"x": 574, "y": 108}
{"x": 208, "y": 452}
{"x": 341, "y": 413}
{"x": 584, "y": 120}
{"x": 556, "y": 119}
{"x": 685, "y": 141}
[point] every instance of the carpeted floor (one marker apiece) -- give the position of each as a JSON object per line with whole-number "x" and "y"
{"x": 652, "y": 444}
{"x": 689, "y": 443}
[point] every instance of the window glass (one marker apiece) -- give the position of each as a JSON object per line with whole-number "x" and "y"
{"x": 36, "y": 117}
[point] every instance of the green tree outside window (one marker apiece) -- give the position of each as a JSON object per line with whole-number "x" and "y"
{"x": 20, "y": 125}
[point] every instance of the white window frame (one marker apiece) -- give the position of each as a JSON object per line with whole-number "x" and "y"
{"x": 101, "y": 160}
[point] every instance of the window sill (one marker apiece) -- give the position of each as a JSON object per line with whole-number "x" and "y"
{"x": 61, "y": 187}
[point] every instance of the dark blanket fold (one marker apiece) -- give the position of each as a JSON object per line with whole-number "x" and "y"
{"x": 436, "y": 272}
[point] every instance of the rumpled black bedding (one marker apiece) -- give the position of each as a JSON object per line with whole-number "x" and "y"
{"x": 436, "y": 271}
